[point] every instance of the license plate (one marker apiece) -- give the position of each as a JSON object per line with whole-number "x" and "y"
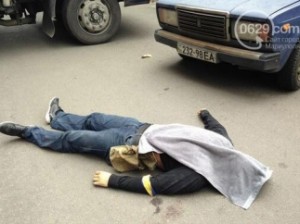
{"x": 196, "y": 52}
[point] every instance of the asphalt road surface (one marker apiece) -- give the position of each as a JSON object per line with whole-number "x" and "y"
{"x": 43, "y": 187}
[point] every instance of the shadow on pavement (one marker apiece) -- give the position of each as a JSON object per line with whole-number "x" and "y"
{"x": 226, "y": 76}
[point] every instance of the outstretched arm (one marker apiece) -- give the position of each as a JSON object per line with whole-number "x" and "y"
{"x": 177, "y": 181}
{"x": 212, "y": 124}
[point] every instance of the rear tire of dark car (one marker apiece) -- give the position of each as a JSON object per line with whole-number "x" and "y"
{"x": 92, "y": 21}
{"x": 289, "y": 77}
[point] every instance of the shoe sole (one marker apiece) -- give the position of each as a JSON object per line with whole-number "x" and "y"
{"x": 47, "y": 116}
{"x": 6, "y": 122}
{"x": 20, "y": 134}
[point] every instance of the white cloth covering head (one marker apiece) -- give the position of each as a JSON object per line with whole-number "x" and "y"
{"x": 236, "y": 175}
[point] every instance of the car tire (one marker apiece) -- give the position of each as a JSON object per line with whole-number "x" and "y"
{"x": 289, "y": 77}
{"x": 92, "y": 21}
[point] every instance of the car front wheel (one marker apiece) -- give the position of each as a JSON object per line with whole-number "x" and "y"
{"x": 92, "y": 21}
{"x": 289, "y": 77}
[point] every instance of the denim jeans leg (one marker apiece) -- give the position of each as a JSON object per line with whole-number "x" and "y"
{"x": 79, "y": 141}
{"x": 95, "y": 121}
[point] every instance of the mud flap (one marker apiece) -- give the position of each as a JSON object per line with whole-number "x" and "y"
{"x": 49, "y": 17}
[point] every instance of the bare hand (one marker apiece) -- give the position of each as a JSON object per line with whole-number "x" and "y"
{"x": 101, "y": 178}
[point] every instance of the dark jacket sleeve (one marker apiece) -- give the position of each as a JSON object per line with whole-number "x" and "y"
{"x": 177, "y": 181}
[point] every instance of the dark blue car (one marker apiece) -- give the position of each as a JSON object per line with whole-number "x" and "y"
{"x": 255, "y": 34}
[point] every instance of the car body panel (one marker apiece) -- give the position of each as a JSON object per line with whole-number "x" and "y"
{"x": 235, "y": 7}
{"x": 289, "y": 15}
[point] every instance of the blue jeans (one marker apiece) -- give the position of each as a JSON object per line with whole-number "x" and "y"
{"x": 95, "y": 133}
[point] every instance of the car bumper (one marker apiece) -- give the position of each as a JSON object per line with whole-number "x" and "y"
{"x": 267, "y": 62}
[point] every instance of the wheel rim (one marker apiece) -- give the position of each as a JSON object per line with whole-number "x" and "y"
{"x": 94, "y": 16}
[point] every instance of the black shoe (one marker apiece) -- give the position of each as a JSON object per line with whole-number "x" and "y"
{"x": 12, "y": 129}
{"x": 52, "y": 110}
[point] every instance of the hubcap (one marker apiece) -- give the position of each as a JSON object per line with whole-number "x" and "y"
{"x": 93, "y": 15}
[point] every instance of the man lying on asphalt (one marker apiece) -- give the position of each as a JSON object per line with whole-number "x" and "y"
{"x": 189, "y": 157}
